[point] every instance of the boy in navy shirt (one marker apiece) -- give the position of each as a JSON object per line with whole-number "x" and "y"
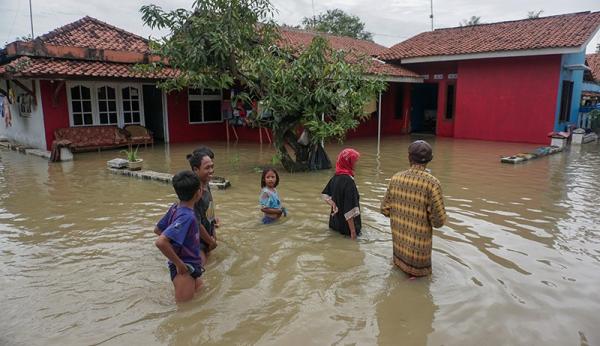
{"x": 179, "y": 237}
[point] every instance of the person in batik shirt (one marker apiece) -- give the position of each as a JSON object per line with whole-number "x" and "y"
{"x": 414, "y": 203}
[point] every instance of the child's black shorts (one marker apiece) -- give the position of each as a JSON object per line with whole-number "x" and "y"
{"x": 198, "y": 270}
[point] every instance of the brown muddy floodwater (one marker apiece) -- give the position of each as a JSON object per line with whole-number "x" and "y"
{"x": 517, "y": 264}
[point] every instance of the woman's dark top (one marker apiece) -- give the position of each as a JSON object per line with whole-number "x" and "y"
{"x": 342, "y": 190}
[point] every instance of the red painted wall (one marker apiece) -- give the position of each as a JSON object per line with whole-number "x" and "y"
{"x": 444, "y": 127}
{"x": 180, "y": 129}
{"x": 56, "y": 114}
{"x": 508, "y": 99}
{"x": 390, "y": 125}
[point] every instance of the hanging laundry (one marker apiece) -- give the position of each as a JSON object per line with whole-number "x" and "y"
{"x": 25, "y": 102}
{"x": 6, "y": 113}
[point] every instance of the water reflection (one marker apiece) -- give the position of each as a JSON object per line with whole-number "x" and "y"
{"x": 516, "y": 264}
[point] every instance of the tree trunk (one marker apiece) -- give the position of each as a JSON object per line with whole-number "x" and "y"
{"x": 302, "y": 153}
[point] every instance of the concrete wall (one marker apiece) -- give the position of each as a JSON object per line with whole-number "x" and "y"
{"x": 28, "y": 131}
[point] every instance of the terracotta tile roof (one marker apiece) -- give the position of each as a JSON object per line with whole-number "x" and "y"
{"x": 384, "y": 69}
{"x": 301, "y": 38}
{"x": 89, "y": 32}
{"x": 568, "y": 30}
{"x": 50, "y": 67}
{"x": 593, "y": 61}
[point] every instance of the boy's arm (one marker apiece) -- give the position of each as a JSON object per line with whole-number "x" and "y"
{"x": 212, "y": 243}
{"x": 164, "y": 245}
{"x": 157, "y": 230}
{"x": 277, "y": 211}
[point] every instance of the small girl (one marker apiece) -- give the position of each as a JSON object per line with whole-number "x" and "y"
{"x": 269, "y": 199}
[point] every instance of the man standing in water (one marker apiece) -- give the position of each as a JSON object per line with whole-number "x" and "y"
{"x": 414, "y": 203}
{"x": 201, "y": 163}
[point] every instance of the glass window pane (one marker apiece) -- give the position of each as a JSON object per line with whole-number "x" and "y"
{"x": 126, "y": 106}
{"x": 102, "y": 93}
{"x": 125, "y": 93}
{"x": 195, "y": 111}
{"x": 88, "y": 120}
{"x": 113, "y": 118}
{"x": 127, "y": 118}
{"x": 112, "y": 106}
{"x": 212, "y": 110}
{"x": 75, "y": 94}
{"x": 85, "y": 93}
{"x": 213, "y": 92}
{"x": 104, "y": 118}
{"x": 136, "y": 117}
{"x": 87, "y": 106}
{"x": 76, "y": 106}
{"x": 135, "y": 105}
{"x": 134, "y": 93}
{"x": 77, "y": 119}
{"x": 111, "y": 93}
{"x": 195, "y": 91}
{"x": 102, "y": 106}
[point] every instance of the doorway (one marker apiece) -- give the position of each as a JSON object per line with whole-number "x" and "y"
{"x": 424, "y": 102}
{"x": 153, "y": 111}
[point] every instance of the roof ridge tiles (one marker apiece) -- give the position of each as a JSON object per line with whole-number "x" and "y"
{"x": 516, "y": 20}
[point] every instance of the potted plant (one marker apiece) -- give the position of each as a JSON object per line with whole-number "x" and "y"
{"x": 134, "y": 162}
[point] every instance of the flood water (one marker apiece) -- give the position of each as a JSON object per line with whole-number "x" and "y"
{"x": 518, "y": 262}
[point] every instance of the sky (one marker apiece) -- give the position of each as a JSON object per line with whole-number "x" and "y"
{"x": 390, "y": 21}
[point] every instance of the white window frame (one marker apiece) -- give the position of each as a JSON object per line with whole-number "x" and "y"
{"x": 203, "y": 98}
{"x": 140, "y": 100}
{"x": 94, "y": 86}
{"x": 70, "y": 104}
{"x": 116, "y": 88}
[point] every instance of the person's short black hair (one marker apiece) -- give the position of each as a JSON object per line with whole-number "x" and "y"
{"x": 186, "y": 184}
{"x": 263, "y": 183}
{"x": 205, "y": 149}
{"x": 195, "y": 158}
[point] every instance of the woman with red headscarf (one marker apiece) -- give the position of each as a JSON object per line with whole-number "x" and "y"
{"x": 342, "y": 195}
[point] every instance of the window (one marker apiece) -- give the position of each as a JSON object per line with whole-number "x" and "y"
{"x": 103, "y": 103}
{"x": 565, "y": 101}
{"x": 204, "y": 105}
{"x": 107, "y": 105}
{"x": 131, "y": 105}
{"x": 81, "y": 106}
{"x": 450, "y": 100}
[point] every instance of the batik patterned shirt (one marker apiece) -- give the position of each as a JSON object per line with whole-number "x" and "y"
{"x": 414, "y": 204}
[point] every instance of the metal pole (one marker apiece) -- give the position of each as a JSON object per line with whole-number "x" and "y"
{"x": 31, "y": 20}
{"x": 431, "y": 15}
{"x": 379, "y": 123}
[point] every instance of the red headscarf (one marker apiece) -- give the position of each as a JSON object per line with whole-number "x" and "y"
{"x": 346, "y": 161}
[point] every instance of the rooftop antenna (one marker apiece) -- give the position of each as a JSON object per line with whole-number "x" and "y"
{"x": 31, "y": 20}
{"x": 313, "y": 12}
{"x": 430, "y": 15}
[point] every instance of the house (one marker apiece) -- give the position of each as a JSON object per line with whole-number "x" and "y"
{"x": 83, "y": 74}
{"x": 590, "y": 94}
{"x": 509, "y": 81}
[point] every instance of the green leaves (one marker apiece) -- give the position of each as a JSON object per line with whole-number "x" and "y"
{"x": 225, "y": 44}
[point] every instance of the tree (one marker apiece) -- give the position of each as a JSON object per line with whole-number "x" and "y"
{"x": 474, "y": 20}
{"x": 534, "y": 14}
{"x": 224, "y": 44}
{"x": 338, "y": 22}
